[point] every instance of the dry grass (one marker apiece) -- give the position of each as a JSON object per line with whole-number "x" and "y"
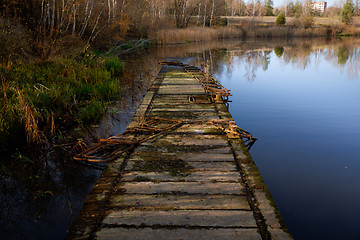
{"x": 195, "y": 34}
{"x": 29, "y": 118}
{"x": 264, "y": 27}
{"x": 289, "y": 20}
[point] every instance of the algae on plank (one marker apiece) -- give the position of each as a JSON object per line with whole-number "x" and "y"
{"x": 171, "y": 164}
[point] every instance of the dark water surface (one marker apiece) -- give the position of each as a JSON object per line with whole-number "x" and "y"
{"x": 44, "y": 203}
{"x": 302, "y": 101}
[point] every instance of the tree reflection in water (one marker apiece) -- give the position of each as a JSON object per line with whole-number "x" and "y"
{"x": 252, "y": 55}
{"x": 48, "y": 213}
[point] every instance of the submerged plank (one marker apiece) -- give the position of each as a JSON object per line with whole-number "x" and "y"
{"x": 177, "y": 234}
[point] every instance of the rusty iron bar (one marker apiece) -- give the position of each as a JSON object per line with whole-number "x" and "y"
{"x": 99, "y": 152}
{"x": 109, "y": 149}
{"x": 234, "y": 132}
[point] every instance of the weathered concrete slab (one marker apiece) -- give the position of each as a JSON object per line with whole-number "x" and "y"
{"x": 197, "y": 129}
{"x": 220, "y": 166}
{"x": 206, "y": 157}
{"x": 279, "y": 234}
{"x": 175, "y": 80}
{"x": 187, "y": 137}
{"x": 181, "y": 188}
{"x": 177, "y": 140}
{"x": 212, "y": 166}
{"x": 176, "y": 149}
{"x": 200, "y": 166}
{"x": 186, "y": 88}
{"x": 189, "y": 157}
{"x": 179, "y": 80}
{"x": 185, "y": 106}
{"x": 187, "y": 202}
{"x": 177, "y": 234}
{"x": 180, "y": 91}
{"x": 193, "y": 218}
{"x": 174, "y": 98}
{"x": 193, "y": 176}
{"x": 187, "y": 116}
{"x": 184, "y": 110}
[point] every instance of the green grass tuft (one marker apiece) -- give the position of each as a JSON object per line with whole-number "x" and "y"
{"x": 39, "y": 98}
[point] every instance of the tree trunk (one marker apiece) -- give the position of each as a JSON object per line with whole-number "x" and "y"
{"x": 48, "y": 13}
{"x": 52, "y": 18}
{"x": 212, "y": 13}
{"x": 205, "y": 13}
{"x": 88, "y": 16}
{"x": 253, "y": 11}
{"x": 198, "y": 16}
{"x": 74, "y": 23}
{"x": 109, "y": 5}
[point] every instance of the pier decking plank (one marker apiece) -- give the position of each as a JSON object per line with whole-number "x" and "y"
{"x": 191, "y": 183}
{"x": 177, "y": 234}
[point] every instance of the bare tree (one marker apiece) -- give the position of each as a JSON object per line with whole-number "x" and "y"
{"x": 183, "y": 10}
{"x": 205, "y": 7}
{"x": 212, "y": 12}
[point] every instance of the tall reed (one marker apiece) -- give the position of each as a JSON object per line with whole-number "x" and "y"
{"x": 44, "y": 97}
{"x": 195, "y": 34}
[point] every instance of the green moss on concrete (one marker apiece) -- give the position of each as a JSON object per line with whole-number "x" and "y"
{"x": 215, "y": 131}
{"x": 169, "y": 164}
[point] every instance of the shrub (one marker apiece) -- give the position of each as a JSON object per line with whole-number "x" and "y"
{"x": 44, "y": 97}
{"x": 347, "y": 12}
{"x": 114, "y": 66}
{"x": 308, "y": 22}
{"x": 91, "y": 112}
{"x": 342, "y": 54}
{"x": 280, "y": 20}
{"x": 279, "y": 51}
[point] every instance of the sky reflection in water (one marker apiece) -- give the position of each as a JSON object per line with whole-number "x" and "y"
{"x": 304, "y": 106}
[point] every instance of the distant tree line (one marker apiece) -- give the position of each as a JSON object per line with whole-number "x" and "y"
{"x": 88, "y": 17}
{"x": 136, "y": 18}
{"x": 300, "y": 8}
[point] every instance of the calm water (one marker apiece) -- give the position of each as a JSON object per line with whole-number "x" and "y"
{"x": 303, "y": 103}
{"x": 24, "y": 216}
{"x": 300, "y": 98}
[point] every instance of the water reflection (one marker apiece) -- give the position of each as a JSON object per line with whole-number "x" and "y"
{"x": 253, "y": 107}
{"x": 41, "y": 200}
{"x": 279, "y": 51}
{"x": 256, "y": 56}
{"x": 298, "y": 98}
{"x": 342, "y": 53}
{"x": 347, "y": 58}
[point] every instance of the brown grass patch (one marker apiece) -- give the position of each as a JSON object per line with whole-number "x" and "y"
{"x": 264, "y": 27}
{"x": 29, "y": 118}
{"x": 195, "y": 34}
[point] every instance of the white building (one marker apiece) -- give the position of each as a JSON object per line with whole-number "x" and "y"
{"x": 319, "y": 7}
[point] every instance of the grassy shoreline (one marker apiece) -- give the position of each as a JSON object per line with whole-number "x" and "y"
{"x": 42, "y": 98}
{"x": 264, "y": 27}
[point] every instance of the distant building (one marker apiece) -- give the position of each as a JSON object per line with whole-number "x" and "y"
{"x": 319, "y": 7}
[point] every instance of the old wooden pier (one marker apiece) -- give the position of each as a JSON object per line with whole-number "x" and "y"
{"x": 190, "y": 177}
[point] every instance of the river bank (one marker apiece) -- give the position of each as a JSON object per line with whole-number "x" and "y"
{"x": 49, "y": 212}
{"x": 73, "y": 102}
{"x": 245, "y": 28}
